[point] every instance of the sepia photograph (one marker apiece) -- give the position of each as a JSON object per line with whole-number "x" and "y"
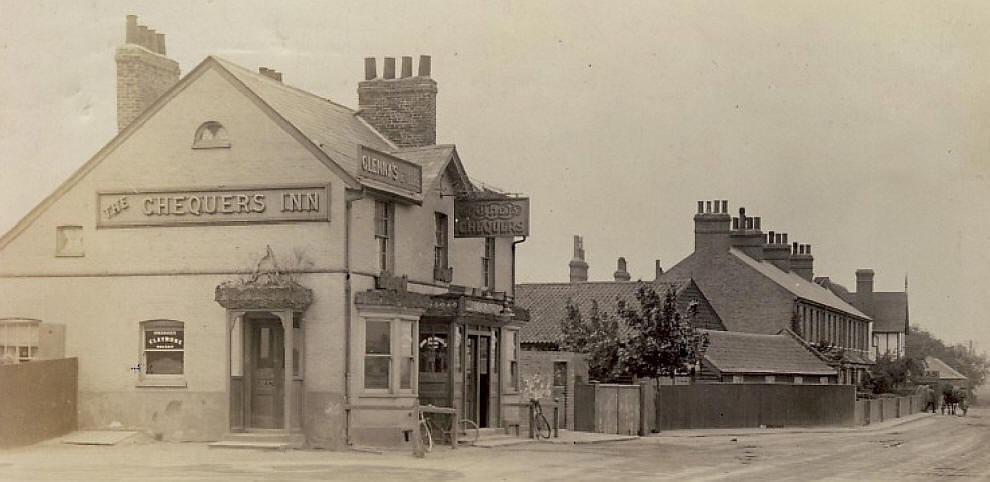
{"x": 494, "y": 240}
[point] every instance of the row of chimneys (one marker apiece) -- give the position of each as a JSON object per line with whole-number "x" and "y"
{"x": 388, "y": 67}
{"x": 403, "y": 110}
{"x": 713, "y": 231}
{"x": 579, "y": 267}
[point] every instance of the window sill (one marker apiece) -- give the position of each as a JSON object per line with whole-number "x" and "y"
{"x": 388, "y": 395}
{"x": 161, "y": 383}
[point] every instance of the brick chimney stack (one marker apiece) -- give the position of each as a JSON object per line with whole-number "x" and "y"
{"x": 802, "y": 263}
{"x": 403, "y": 109}
{"x": 746, "y": 235}
{"x": 579, "y": 268}
{"x": 620, "y": 271}
{"x": 777, "y": 252}
{"x": 144, "y": 73}
{"x": 659, "y": 271}
{"x": 711, "y": 226}
{"x": 864, "y": 291}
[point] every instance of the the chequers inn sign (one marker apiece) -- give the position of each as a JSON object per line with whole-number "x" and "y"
{"x": 499, "y": 218}
{"x": 213, "y": 206}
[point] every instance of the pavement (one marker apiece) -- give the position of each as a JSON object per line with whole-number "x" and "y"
{"x": 723, "y": 432}
{"x": 922, "y": 447}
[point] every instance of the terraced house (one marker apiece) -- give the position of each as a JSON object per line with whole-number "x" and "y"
{"x": 246, "y": 257}
{"x": 758, "y": 283}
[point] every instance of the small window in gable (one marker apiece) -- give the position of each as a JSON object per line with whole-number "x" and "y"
{"x": 68, "y": 241}
{"x": 211, "y": 135}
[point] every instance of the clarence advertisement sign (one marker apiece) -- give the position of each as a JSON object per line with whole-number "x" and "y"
{"x": 482, "y": 218}
{"x": 219, "y": 206}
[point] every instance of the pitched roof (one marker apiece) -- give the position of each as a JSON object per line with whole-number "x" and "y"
{"x": 890, "y": 311}
{"x": 945, "y": 372}
{"x": 797, "y": 285}
{"x": 890, "y": 308}
{"x": 547, "y": 302}
{"x": 336, "y": 129}
{"x": 434, "y": 160}
{"x": 735, "y": 352}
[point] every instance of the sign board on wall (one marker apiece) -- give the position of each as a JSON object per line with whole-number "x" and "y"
{"x": 216, "y": 206}
{"x": 481, "y": 218}
{"x": 390, "y": 170}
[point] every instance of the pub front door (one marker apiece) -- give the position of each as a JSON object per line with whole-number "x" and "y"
{"x": 266, "y": 370}
{"x": 477, "y": 381}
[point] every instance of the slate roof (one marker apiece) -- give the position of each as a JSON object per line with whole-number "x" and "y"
{"x": 890, "y": 311}
{"x": 432, "y": 158}
{"x": 732, "y": 352}
{"x": 890, "y": 308}
{"x": 797, "y": 285}
{"x": 334, "y": 128}
{"x": 945, "y": 372}
{"x": 547, "y": 303}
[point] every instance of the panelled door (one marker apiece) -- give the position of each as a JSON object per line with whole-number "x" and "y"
{"x": 267, "y": 371}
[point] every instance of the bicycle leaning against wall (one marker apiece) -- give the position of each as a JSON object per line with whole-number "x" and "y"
{"x": 467, "y": 430}
{"x": 541, "y": 427}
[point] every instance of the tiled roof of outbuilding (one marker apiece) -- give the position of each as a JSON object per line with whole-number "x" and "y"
{"x": 547, "y": 302}
{"x": 737, "y": 353}
{"x": 945, "y": 372}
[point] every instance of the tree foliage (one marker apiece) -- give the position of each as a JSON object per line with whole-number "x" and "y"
{"x": 597, "y": 336}
{"x": 921, "y": 343}
{"x": 890, "y": 374}
{"x": 658, "y": 342}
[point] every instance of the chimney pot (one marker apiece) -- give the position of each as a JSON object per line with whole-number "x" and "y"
{"x": 659, "y": 270}
{"x": 406, "y": 67}
{"x": 794, "y": 248}
{"x": 424, "y": 65}
{"x": 735, "y": 223}
{"x": 130, "y": 34}
{"x": 388, "y": 70}
{"x": 809, "y": 248}
{"x": 756, "y": 223}
{"x": 708, "y": 206}
{"x": 771, "y": 237}
{"x": 370, "y": 69}
{"x": 701, "y": 207}
{"x": 749, "y": 223}
{"x": 161, "y": 43}
{"x": 783, "y": 238}
{"x": 725, "y": 206}
{"x": 742, "y": 213}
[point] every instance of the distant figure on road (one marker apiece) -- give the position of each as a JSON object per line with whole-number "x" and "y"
{"x": 930, "y": 400}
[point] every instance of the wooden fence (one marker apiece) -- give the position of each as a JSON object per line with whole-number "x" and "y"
{"x": 607, "y": 408}
{"x": 881, "y": 409}
{"x": 37, "y": 401}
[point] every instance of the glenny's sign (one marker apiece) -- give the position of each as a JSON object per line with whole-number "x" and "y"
{"x": 390, "y": 170}
{"x": 477, "y": 218}
{"x": 220, "y": 206}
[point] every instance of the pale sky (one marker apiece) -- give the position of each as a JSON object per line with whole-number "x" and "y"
{"x": 861, "y": 128}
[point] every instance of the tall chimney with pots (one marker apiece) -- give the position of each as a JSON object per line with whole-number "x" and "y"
{"x": 746, "y": 235}
{"x": 144, "y": 73}
{"x": 864, "y": 291}
{"x": 802, "y": 263}
{"x": 776, "y": 251}
{"x": 403, "y": 109}
{"x": 579, "y": 268}
{"x": 711, "y": 227}
{"x": 620, "y": 270}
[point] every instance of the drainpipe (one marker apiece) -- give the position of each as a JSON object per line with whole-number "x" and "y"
{"x": 349, "y": 197}
{"x": 514, "y": 243}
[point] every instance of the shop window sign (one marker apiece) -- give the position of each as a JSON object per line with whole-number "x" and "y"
{"x": 164, "y": 351}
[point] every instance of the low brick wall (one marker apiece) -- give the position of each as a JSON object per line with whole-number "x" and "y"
{"x": 542, "y": 363}
{"x": 37, "y": 401}
{"x": 882, "y": 409}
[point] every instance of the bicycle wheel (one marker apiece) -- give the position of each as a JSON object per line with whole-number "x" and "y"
{"x": 467, "y": 431}
{"x": 542, "y": 427}
{"x": 425, "y": 437}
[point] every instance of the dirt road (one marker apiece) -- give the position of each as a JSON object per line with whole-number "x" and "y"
{"x": 928, "y": 449}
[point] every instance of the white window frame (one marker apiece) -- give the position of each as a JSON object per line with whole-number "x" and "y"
{"x": 511, "y": 357}
{"x": 488, "y": 265}
{"x": 146, "y": 379}
{"x": 17, "y": 333}
{"x": 395, "y": 356}
{"x": 388, "y": 236}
